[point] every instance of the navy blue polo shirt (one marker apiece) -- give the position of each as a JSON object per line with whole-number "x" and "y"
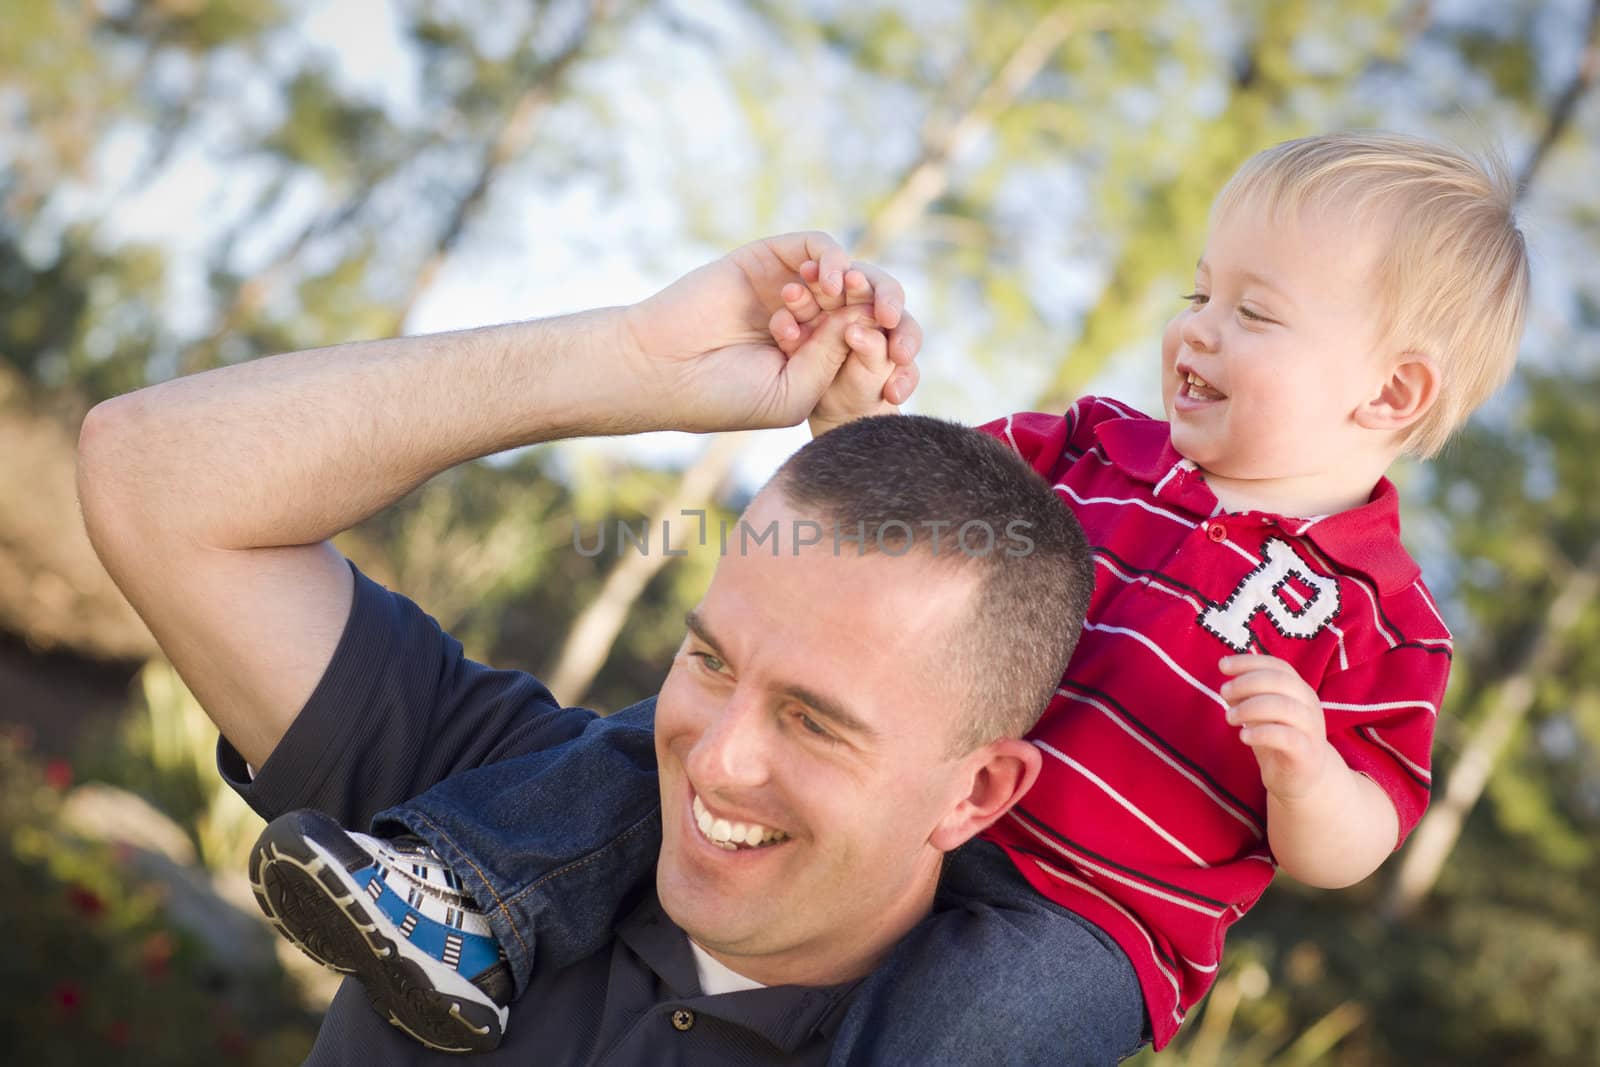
{"x": 400, "y": 709}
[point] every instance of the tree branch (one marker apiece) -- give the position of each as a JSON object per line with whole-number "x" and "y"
{"x": 595, "y": 630}
{"x": 1512, "y": 699}
{"x": 1566, "y": 104}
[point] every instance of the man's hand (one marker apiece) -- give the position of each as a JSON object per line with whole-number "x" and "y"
{"x": 1280, "y": 718}
{"x": 715, "y": 349}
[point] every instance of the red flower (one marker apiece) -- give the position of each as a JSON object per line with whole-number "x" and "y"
{"x": 156, "y": 954}
{"x": 58, "y": 774}
{"x": 119, "y": 1032}
{"x": 85, "y": 901}
{"x": 67, "y": 996}
{"x": 233, "y": 1044}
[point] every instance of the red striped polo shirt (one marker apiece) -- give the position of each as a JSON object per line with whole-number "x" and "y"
{"x": 1149, "y": 817}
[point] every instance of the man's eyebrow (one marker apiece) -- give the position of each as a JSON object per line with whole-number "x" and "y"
{"x": 826, "y": 707}
{"x": 831, "y": 710}
{"x": 697, "y": 626}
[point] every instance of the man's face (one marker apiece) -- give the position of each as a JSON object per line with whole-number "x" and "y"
{"x": 809, "y": 708}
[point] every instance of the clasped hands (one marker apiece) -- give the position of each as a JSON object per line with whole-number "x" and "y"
{"x": 777, "y": 331}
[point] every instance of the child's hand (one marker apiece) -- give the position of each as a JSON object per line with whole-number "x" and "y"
{"x": 864, "y": 380}
{"x": 877, "y": 373}
{"x": 1281, "y": 719}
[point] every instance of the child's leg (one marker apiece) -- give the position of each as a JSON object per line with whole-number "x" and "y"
{"x": 550, "y": 845}
{"x": 997, "y": 975}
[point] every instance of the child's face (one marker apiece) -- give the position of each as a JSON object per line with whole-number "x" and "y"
{"x": 1282, "y": 343}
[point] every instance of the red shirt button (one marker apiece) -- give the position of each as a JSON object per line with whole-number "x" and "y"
{"x": 1216, "y": 531}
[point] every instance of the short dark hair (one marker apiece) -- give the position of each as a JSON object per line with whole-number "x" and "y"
{"x": 913, "y": 483}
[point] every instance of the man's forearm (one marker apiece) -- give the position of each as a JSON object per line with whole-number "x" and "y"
{"x": 210, "y": 499}
{"x": 293, "y": 449}
{"x": 1336, "y": 835}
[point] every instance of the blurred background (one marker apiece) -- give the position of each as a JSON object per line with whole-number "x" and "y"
{"x": 188, "y": 183}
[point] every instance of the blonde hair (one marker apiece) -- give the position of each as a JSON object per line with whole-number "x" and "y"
{"x": 1453, "y": 275}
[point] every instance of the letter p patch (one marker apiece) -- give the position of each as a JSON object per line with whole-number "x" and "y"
{"x": 1267, "y": 589}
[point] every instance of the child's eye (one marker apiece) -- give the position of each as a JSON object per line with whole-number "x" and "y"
{"x": 1196, "y": 299}
{"x": 1251, "y": 315}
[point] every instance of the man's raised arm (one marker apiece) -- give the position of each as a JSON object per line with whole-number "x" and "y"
{"x": 210, "y": 499}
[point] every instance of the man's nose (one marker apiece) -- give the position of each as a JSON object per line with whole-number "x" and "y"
{"x": 735, "y": 751}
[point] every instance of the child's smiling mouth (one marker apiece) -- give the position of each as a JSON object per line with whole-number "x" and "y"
{"x": 1198, "y": 388}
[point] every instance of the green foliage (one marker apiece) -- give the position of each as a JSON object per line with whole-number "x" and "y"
{"x": 322, "y": 125}
{"x": 1102, "y": 164}
{"x": 94, "y": 973}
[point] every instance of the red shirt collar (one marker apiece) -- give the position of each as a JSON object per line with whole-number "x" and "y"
{"x": 1364, "y": 539}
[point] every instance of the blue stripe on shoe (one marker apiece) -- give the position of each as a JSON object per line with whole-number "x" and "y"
{"x": 477, "y": 952}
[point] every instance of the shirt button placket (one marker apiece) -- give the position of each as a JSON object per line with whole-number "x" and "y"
{"x": 683, "y": 1020}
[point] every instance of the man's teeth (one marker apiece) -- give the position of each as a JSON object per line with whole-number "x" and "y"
{"x": 732, "y": 835}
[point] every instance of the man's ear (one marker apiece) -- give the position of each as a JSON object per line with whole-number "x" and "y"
{"x": 1410, "y": 390}
{"x": 998, "y": 774}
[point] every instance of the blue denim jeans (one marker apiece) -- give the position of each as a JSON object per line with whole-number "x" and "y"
{"x": 555, "y": 845}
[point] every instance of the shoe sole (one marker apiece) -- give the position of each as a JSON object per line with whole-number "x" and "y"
{"x": 324, "y": 917}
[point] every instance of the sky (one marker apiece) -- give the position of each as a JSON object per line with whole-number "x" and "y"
{"x": 595, "y": 243}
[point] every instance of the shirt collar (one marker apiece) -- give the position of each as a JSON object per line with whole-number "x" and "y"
{"x": 1365, "y": 539}
{"x": 786, "y": 1016}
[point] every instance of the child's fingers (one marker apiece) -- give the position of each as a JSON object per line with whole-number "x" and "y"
{"x": 857, "y": 290}
{"x": 800, "y": 302}
{"x": 888, "y": 296}
{"x": 786, "y": 332}
{"x": 814, "y": 275}
{"x": 900, "y": 386}
{"x": 1285, "y": 684}
{"x": 869, "y": 345}
{"x": 905, "y": 341}
{"x": 830, "y": 270}
{"x": 1261, "y": 710}
{"x": 1253, "y": 662}
{"x": 1277, "y": 738}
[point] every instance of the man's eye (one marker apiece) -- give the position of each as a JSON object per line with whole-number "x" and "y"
{"x": 709, "y": 662}
{"x": 1196, "y": 299}
{"x": 814, "y": 727}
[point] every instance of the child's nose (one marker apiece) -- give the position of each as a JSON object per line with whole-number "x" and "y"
{"x": 1197, "y": 331}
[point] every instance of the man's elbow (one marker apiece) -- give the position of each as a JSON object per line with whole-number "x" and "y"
{"x": 107, "y": 445}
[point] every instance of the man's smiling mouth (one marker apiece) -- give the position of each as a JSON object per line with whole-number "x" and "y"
{"x": 731, "y": 835}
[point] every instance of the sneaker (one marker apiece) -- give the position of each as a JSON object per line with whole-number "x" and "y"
{"x": 392, "y": 914}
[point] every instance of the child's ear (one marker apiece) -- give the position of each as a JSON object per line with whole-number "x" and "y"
{"x": 1410, "y": 390}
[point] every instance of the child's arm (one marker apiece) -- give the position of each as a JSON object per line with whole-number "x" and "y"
{"x": 1329, "y": 826}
